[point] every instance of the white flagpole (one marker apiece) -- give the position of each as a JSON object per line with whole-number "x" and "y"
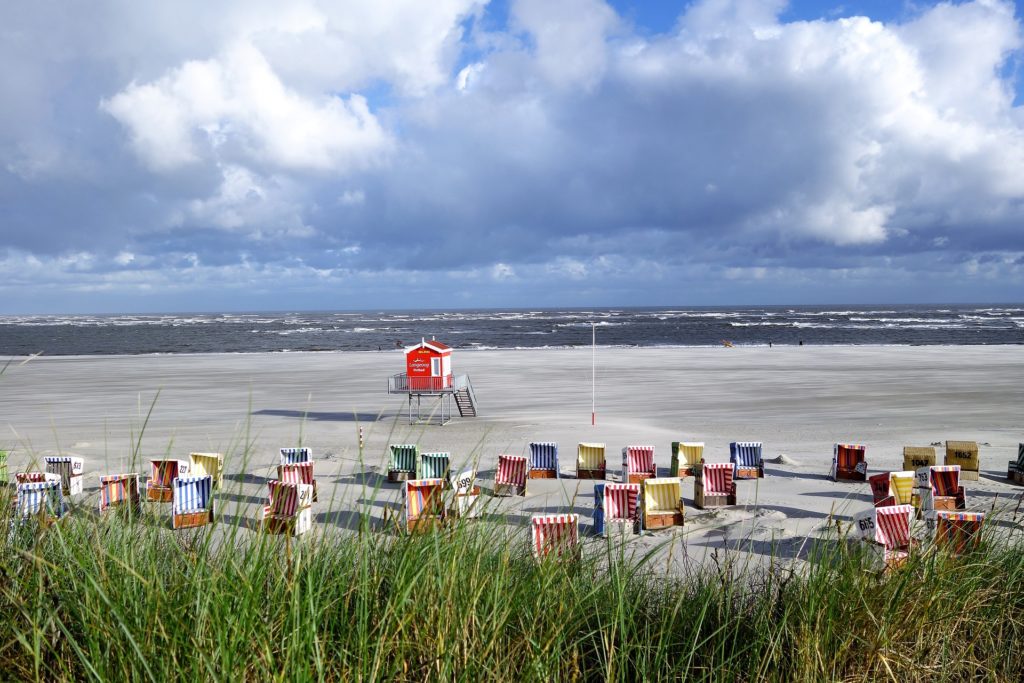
{"x": 593, "y": 374}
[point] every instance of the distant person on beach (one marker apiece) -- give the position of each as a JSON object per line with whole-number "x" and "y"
{"x": 398, "y": 344}
{"x": 769, "y": 343}
{"x": 801, "y": 342}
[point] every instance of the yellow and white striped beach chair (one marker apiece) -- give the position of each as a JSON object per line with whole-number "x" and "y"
{"x": 662, "y": 503}
{"x": 685, "y": 456}
{"x": 208, "y": 464}
{"x": 892, "y": 488}
{"x": 590, "y": 461}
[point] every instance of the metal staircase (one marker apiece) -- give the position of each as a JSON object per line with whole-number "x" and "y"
{"x": 465, "y": 399}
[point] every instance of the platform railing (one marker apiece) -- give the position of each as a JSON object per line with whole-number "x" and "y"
{"x": 404, "y": 384}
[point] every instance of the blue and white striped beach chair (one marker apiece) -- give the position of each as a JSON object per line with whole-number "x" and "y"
{"x": 43, "y": 501}
{"x": 291, "y": 456}
{"x": 191, "y": 502}
{"x": 544, "y": 460}
{"x": 748, "y": 463}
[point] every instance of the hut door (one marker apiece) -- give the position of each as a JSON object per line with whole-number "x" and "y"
{"x": 435, "y": 367}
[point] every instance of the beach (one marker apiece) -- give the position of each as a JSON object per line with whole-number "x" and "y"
{"x": 797, "y": 400}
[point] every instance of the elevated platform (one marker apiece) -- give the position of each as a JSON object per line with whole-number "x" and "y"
{"x": 448, "y": 389}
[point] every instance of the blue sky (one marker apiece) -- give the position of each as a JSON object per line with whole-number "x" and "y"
{"x": 253, "y": 154}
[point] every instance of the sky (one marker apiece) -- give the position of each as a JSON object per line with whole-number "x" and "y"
{"x": 314, "y": 155}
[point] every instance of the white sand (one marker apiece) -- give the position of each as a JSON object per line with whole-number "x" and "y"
{"x": 797, "y": 400}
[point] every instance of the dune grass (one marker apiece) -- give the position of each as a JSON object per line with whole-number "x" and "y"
{"x": 124, "y": 598}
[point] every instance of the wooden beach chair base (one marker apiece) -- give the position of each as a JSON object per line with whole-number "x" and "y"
{"x": 398, "y": 475}
{"x": 505, "y": 490}
{"x": 1015, "y": 475}
{"x": 849, "y": 475}
{"x": 424, "y": 525}
{"x": 189, "y": 520}
{"x": 749, "y": 473}
{"x": 663, "y": 520}
{"x": 684, "y": 472}
{"x": 713, "y": 500}
{"x": 638, "y": 477}
{"x": 159, "y": 494}
{"x": 294, "y": 526}
{"x": 590, "y": 474}
{"x": 542, "y": 474}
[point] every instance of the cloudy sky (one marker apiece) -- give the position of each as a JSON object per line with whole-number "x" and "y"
{"x": 254, "y": 154}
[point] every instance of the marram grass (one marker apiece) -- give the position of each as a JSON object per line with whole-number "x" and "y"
{"x": 120, "y": 599}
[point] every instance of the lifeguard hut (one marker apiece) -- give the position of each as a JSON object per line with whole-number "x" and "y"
{"x": 428, "y": 372}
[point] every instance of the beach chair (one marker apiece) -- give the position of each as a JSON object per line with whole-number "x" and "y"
{"x": 510, "y": 479}
{"x": 590, "y": 461}
{"x": 619, "y": 507}
{"x": 42, "y": 501}
{"x": 893, "y": 488}
{"x": 965, "y": 454}
{"x": 544, "y": 460}
{"x": 36, "y": 478}
{"x": 748, "y": 463}
{"x": 555, "y": 536}
{"x": 298, "y": 473}
{"x": 212, "y": 464}
{"x": 70, "y": 470}
{"x": 191, "y": 502}
{"x": 662, "y": 503}
{"x": 290, "y": 456}
{"x": 3, "y": 469}
{"x": 466, "y": 501}
{"x": 638, "y": 464}
{"x": 954, "y": 531}
{"x": 685, "y": 455}
{"x": 424, "y": 505}
{"x": 433, "y": 466}
{"x": 1015, "y": 469}
{"x": 289, "y": 509}
{"x": 939, "y": 488}
{"x": 159, "y": 486}
{"x": 916, "y": 457}
{"x": 713, "y": 485}
{"x": 402, "y": 461}
{"x": 849, "y": 463}
{"x": 119, "y": 491}
{"x": 887, "y": 529}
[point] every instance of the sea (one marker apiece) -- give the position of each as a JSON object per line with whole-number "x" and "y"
{"x": 174, "y": 333}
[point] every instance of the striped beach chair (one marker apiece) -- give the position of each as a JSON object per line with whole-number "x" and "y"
{"x": 36, "y": 478}
{"x": 1015, "y": 469}
{"x": 159, "y": 486}
{"x": 433, "y": 466}
{"x": 119, "y": 491}
{"x": 939, "y": 488}
{"x": 298, "y": 473}
{"x": 685, "y": 456}
{"x": 294, "y": 455}
{"x": 70, "y": 470}
{"x": 892, "y": 488}
{"x": 662, "y": 502}
{"x": 954, "y": 531}
{"x": 510, "y": 479}
{"x": 638, "y": 464}
{"x": 424, "y": 504}
{"x": 288, "y": 511}
{"x": 888, "y": 530}
{"x": 466, "y": 500}
{"x": 966, "y": 455}
{"x": 555, "y": 536}
{"x": 916, "y": 457}
{"x": 748, "y": 463}
{"x": 620, "y": 506}
{"x": 402, "y": 461}
{"x": 42, "y": 501}
{"x": 191, "y": 502}
{"x": 544, "y": 460}
{"x": 849, "y": 462}
{"x": 590, "y": 461}
{"x": 212, "y": 464}
{"x": 713, "y": 485}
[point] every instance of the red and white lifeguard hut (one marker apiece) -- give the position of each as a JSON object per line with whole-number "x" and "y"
{"x": 428, "y": 372}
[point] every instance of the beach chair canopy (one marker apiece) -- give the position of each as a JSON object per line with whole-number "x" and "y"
{"x": 544, "y": 455}
{"x": 590, "y": 456}
{"x": 207, "y": 463}
{"x": 620, "y": 501}
{"x": 718, "y": 478}
{"x": 296, "y": 473}
{"x": 292, "y": 455}
{"x": 556, "y": 535}
{"x": 638, "y": 460}
{"x": 35, "y": 498}
{"x": 662, "y": 494}
{"x": 434, "y": 466}
{"x": 191, "y": 495}
{"x": 423, "y": 498}
{"x": 164, "y": 472}
{"x": 65, "y": 466}
{"x": 403, "y": 457}
{"x": 848, "y": 456}
{"x": 689, "y": 453}
{"x": 511, "y": 470}
{"x": 745, "y": 453}
{"x": 118, "y": 488}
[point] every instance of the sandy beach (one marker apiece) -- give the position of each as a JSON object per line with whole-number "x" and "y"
{"x": 797, "y": 400}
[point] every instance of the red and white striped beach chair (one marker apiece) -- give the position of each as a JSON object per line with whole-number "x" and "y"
{"x": 849, "y": 462}
{"x": 888, "y": 529}
{"x": 555, "y": 536}
{"x": 162, "y": 475}
{"x": 590, "y": 461}
{"x": 713, "y": 485}
{"x": 892, "y": 488}
{"x": 544, "y": 460}
{"x": 939, "y": 488}
{"x": 36, "y": 478}
{"x": 70, "y": 469}
{"x": 466, "y": 499}
{"x": 685, "y": 456}
{"x": 191, "y": 502}
{"x": 119, "y": 490}
{"x": 638, "y": 464}
{"x": 424, "y": 504}
{"x": 510, "y": 479}
{"x": 289, "y": 510}
{"x": 298, "y": 473}
{"x": 956, "y": 532}
{"x": 621, "y": 507}
{"x": 662, "y": 502}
